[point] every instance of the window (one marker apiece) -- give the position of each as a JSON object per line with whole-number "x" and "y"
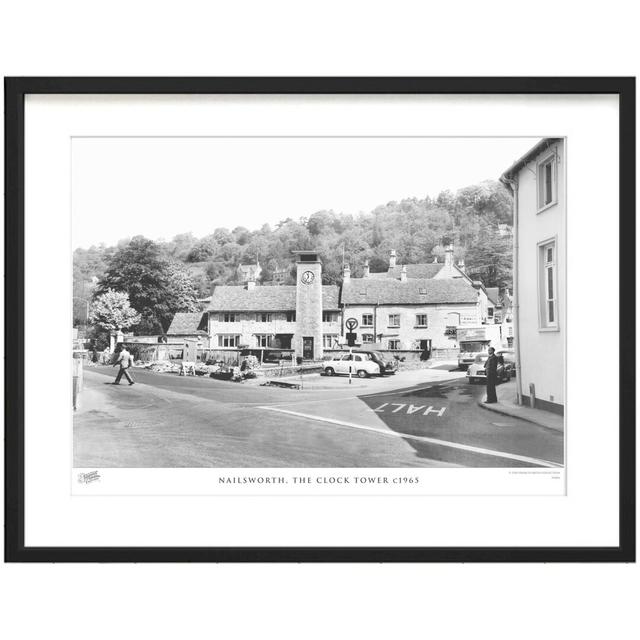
{"x": 329, "y": 341}
{"x": 263, "y": 317}
{"x": 367, "y": 337}
{"x": 394, "y": 344}
{"x": 228, "y": 340}
{"x": 367, "y": 319}
{"x": 329, "y": 316}
{"x": 291, "y": 316}
{"x": 490, "y": 312}
{"x": 264, "y": 340}
{"x": 229, "y": 317}
{"x": 547, "y": 286}
{"x": 421, "y": 320}
{"x": 394, "y": 320}
{"x": 547, "y": 182}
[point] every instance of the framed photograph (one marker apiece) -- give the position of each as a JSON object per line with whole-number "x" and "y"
{"x": 320, "y": 319}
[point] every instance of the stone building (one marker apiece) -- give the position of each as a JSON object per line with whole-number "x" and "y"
{"x": 248, "y": 272}
{"x": 189, "y": 326}
{"x": 410, "y": 313}
{"x": 415, "y": 307}
{"x": 437, "y": 270}
{"x": 303, "y": 317}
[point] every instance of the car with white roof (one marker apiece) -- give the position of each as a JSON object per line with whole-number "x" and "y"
{"x": 359, "y": 364}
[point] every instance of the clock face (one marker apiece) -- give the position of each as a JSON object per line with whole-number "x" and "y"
{"x": 308, "y": 277}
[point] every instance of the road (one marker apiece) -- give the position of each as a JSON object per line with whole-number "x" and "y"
{"x": 414, "y": 419}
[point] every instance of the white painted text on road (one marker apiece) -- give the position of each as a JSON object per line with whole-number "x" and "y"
{"x": 411, "y": 409}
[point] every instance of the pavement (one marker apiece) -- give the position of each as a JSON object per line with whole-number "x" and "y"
{"x": 507, "y": 405}
{"x": 318, "y": 381}
{"x": 421, "y": 418}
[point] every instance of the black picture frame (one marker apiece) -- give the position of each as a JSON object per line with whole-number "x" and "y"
{"x": 15, "y": 91}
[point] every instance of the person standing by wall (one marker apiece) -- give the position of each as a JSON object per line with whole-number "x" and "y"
{"x": 105, "y": 358}
{"x": 491, "y": 369}
{"x": 123, "y": 359}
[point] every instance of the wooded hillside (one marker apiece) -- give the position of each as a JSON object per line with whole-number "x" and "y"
{"x": 418, "y": 229}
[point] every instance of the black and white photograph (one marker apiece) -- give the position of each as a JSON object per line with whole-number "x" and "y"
{"x": 320, "y": 320}
{"x": 255, "y": 302}
{"x": 358, "y": 316}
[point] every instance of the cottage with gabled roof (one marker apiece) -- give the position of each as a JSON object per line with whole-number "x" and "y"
{"x": 188, "y": 325}
{"x": 410, "y": 313}
{"x": 249, "y": 272}
{"x": 437, "y": 270}
{"x": 303, "y": 317}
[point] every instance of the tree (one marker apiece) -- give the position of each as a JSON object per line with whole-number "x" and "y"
{"x": 153, "y": 274}
{"x": 157, "y": 286}
{"x": 181, "y": 245}
{"x": 111, "y": 311}
{"x": 490, "y": 259}
{"x": 489, "y": 198}
{"x": 204, "y": 249}
{"x": 181, "y": 288}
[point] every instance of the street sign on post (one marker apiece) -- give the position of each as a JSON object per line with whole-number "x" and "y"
{"x": 351, "y": 324}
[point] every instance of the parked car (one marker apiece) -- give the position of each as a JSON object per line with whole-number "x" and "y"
{"x": 476, "y": 372}
{"x": 361, "y": 365}
{"x": 509, "y": 357}
{"x": 387, "y": 367}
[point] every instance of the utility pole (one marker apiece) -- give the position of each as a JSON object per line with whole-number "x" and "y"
{"x": 87, "y": 308}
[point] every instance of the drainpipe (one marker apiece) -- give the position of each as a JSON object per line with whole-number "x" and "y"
{"x": 344, "y": 311}
{"x": 513, "y": 186}
{"x": 375, "y": 321}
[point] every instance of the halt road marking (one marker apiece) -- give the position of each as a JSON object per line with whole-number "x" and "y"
{"x": 404, "y": 436}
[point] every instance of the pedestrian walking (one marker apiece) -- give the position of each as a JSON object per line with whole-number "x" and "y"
{"x": 491, "y": 370}
{"x": 124, "y": 359}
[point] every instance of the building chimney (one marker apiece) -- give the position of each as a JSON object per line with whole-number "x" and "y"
{"x": 251, "y": 284}
{"x": 365, "y": 271}
{"x": 403, "y": 273}
{"x": 448, "y": 256}
{"x": 392, "y": 258}
{"x": 346, "y": 273}
{"x": 461, "y": 266}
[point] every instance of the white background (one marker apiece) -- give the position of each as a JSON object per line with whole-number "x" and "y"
{"x": 372, "y": 38}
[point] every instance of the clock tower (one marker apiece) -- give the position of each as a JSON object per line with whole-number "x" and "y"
{"x": 307, "y": 340}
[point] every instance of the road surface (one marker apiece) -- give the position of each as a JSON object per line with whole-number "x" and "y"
{"x": 414, "y": 419}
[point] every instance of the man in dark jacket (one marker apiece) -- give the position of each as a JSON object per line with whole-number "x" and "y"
{"x": 491, "y": 369}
